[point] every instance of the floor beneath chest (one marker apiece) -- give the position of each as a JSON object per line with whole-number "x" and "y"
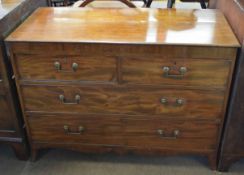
{"x": 62, "y": 162}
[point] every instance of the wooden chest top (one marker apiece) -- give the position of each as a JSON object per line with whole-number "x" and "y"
{"x": 136, "y": 26}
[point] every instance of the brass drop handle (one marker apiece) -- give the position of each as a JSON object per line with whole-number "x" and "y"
{"x": 81, "y": 129}
{"x": 63, "y": 100}
{"x": 174, "y": 135}
{"x": 166, "y": 72}
{"x": 58, "y": 66}
{"x": 178, "y": 101}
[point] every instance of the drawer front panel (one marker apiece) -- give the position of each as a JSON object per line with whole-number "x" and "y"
{"x": 75, "y": 129}
{"x": 187, "y": 72}
{"x": 174, "y": 134}
{"x": 41, "y": 67}
{"x": 123, "y": 100}
{"x": 103, "y": 130}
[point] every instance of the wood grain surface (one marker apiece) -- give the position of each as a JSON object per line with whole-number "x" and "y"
{"x": 200, "y": 72}
{"x": 89, "y": 68}
{"x": 124, "y": 100}
{"x": 141, "y": 26}
{"x": 121, "y": 131}
{"x": 122, "y": 50}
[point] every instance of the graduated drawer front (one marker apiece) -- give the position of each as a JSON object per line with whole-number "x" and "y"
{"x": 95, "y": 130}
{"x": 186, "y": 72}
{"x": 69, "y": 67}
{"x": 173, "y": 134}
{"x": 123, "y": 100}
{"x": 121, "y": 131}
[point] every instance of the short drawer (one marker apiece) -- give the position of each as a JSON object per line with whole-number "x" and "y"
{"x": 186, "y": 72}
{"x": 123, "y": 100}
{"x": 123, "y": 131}
{"x": 78, "y": 68}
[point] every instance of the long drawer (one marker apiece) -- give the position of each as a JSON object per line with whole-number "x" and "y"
{"x": 123, "y": 100}
{"x": 69, "y": 67}
{"x": 104, "y": 130}
{"x": 185, "y": 72}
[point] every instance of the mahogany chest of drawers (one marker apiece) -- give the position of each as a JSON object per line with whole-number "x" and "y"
{"x": 12, "y": 13}
{"x": 124, "y": 80}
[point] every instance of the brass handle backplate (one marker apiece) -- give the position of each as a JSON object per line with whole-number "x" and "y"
{"x": 74, "y": 66}
{"x": 63, "y": 100}
{"x": 174, "y": 135}
{"x": 178, "y": 101}
{"x": 164, "y": 101}
{"x": 58, "y": 67}
{"x": 166, "y": 72}
{"x": 81, "y": 129}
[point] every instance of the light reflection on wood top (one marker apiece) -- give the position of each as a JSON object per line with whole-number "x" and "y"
{"x": 139, "y": 26}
